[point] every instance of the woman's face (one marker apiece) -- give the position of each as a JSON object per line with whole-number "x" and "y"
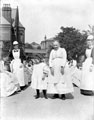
{"x": 56, "y": 45}
{"x": 89, "y": 44}
{"x": 15, "y": 46}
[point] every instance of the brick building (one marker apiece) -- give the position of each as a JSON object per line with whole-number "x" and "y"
{"x": 8, "y": 28}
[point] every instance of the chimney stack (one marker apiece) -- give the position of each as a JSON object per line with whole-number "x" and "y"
{"x": 6, "y": 12}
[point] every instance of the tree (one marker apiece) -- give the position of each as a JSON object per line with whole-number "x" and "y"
{"x": 91, "y": 30}
{"x": 73, "y": 41}
{"x": 6, "y": 47}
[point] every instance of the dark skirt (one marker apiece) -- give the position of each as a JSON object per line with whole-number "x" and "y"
{"x": 87, "y": 92}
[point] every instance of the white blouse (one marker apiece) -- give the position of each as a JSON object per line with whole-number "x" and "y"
{"x": 55, "y": 54}
{"x": 88, "y": 53}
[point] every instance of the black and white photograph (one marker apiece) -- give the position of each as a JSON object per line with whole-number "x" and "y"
{"x": 46, "y": 59}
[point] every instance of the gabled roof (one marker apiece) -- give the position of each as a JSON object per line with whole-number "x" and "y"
{"x": 13, "y": 23}
{"x": 13, "y": 15}
{"x": 4, "y": 21}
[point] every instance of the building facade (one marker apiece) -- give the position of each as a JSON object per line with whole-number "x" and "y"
{"x": 47, "y": 43}
{"x": 9, "y": 21}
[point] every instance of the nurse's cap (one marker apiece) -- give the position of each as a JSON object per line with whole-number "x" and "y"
{"x": 15, "y": 43}
{"x": 90, "y": 37}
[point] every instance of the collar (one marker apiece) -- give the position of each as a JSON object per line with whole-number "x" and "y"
{"x": 16, "y": 50}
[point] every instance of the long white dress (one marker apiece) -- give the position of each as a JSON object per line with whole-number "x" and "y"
{"x": 17, "y": 67}
{"x": 87, "y": 81}
{"x": 59, "y": 83}
{"x": 7, "y": 82}
{"x": 37, "y": 76}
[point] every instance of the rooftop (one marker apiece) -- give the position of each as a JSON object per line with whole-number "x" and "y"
{"x": 13, "y": 16}
{"x": 4, "y": 21}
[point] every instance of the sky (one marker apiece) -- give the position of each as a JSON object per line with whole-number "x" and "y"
{"x": 45, "y": 17}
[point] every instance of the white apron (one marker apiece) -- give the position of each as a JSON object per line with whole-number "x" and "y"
{"x": 17, "y": 68}
{"x": 59, "y": 83}
{"x": 87, "y": 81}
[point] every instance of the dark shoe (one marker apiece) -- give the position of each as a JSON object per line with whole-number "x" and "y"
{"x": 36, "y": 97}
{"x": 45, "y": 97}
{"x": 22, "y": 87}
{"x": 63, "y": 97}
{"x": 45, "y": 94}
{"x": 19, "y": 90}
{"x": 87, "y": 92}
{"x": 55, "y": 96}
{"x": 38, "y": 94}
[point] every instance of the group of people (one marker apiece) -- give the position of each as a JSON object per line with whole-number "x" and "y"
{"x": 54, "y": 75}
{"x": 16, "y": 75}
{"x": 57, "y": 75}
{"x": 86, "y": 74}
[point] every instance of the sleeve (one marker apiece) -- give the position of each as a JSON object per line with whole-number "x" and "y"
{"x": 50, "y": 58}
{"x": 46, "y": 69}
{"x": 22, "y": 55}
{"x": 1, "y": 66}
{"x": 11, "y": 65}
{"x": 11, "y": 55}
{"x": 64, "y": 57}
{"x": 74, "y": 63}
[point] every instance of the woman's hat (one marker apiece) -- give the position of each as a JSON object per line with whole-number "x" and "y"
{"x": 15, "y": 43}
{"x": 90, "y": 37}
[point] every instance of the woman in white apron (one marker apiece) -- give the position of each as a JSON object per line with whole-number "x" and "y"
{"x": 59, "y": 81}
{"x": 17, "y": 68}
{"x": 87, "y": 81}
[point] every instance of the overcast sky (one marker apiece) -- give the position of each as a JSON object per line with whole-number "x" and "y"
{"x": 45, "y": 17}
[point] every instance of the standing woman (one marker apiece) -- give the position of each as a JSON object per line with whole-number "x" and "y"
{"x": 87, "y": 81}
{"x": 16, "y": 65}
{"x": 59, "y": 82}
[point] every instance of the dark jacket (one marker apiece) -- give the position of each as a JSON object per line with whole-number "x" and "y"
{"x": 22, "y": 55}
